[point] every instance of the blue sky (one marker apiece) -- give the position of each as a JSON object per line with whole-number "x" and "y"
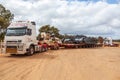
{"x": 108, "y": 1}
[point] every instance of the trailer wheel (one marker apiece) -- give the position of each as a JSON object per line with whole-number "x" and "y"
{"x": 66, "y": 47}
{"x": 52, "y": 48}
{"x": 43, "y": 49}
{"x": 31, "y": 51}
{"x": 46, "y": 49}
{"x": 58, "y": 47}
{"x": 76, "y": 46}
{"x": 40, "y": 50}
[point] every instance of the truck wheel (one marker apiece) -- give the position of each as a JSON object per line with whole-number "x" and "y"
{"x": 31, "y": 51}
{"x": 40, "y": 50}
{"x": 46, "y": 49}
{"x": 43, "y": 49}
{"x": 57, "y": 47}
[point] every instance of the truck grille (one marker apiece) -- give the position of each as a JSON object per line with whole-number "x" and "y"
{"x": 11, "y": 42}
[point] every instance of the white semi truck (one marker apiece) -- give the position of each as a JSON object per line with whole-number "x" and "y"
{"x": 20, "y": 38}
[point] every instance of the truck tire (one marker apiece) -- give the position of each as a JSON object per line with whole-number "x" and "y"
{"x": 31, "y": 51}
{"x": 65, "y": 46}
{"x": 57, "y": 47}
{"x": 40, "y": 50}
{"x": 76, "y": 46}
{"x": 46, "y": 49}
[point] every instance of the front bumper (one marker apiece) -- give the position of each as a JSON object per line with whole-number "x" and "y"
{"x": 15, "y": 48}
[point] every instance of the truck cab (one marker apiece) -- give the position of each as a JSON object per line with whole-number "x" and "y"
{"x": 20, "y": 38}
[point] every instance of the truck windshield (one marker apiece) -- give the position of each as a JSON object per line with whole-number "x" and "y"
{"x": 16, "y": 31}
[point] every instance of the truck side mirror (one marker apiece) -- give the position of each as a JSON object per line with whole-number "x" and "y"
{"x": 29, "y": 31}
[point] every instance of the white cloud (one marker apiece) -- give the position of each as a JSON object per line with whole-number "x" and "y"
{"x": 98, "y": 18}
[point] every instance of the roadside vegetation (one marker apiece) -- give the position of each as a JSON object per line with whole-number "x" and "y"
{"x": 50, "y": 29}
{"x": 5, "y": 18}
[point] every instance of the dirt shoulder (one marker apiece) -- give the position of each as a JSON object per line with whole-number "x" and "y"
{"x": 65, "y": 64}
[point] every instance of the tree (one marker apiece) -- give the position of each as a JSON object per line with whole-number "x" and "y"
{"x": 49, "y": 29}
{"x": 5, "y": 18}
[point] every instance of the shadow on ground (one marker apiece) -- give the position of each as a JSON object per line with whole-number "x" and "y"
{"x": 43, "y": 55}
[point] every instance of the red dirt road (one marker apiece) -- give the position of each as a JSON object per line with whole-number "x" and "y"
{"x": 64, "y": 64}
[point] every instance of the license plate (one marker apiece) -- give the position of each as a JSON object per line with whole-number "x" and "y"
{"x": 11, "y": 50}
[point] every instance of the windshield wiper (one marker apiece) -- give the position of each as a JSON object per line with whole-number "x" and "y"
{"x": 10, "y": 34}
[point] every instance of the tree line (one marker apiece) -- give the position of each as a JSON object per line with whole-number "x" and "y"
{"x": 51, "y": 30}
{"x": 5, "y": 18}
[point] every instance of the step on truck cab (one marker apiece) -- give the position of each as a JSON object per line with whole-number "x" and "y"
{"x": 20, "y": 38}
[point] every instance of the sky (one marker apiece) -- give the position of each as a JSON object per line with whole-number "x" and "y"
{"x": 86, "y": 17}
